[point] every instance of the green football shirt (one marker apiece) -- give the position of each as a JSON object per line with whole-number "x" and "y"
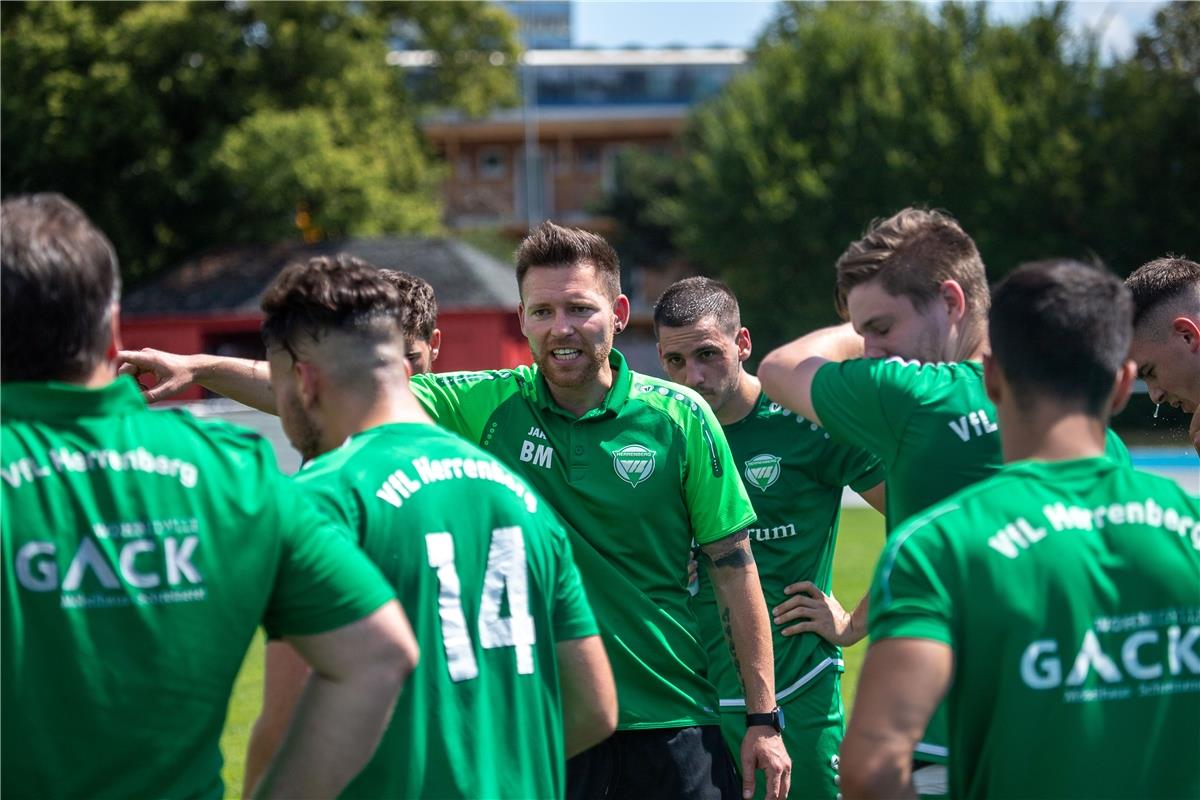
{"x": 635, "y": 479}
{"x": 484, "y": 571}
{"x": 932, "y": 425}
{"x": 1070, "y": 595}
{"x": 935, "y": 430}
{"x": 141, "y": 550}
{"x": 794, "y": 474}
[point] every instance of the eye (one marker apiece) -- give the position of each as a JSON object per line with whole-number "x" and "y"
{"x": 538, "y": 313}
{"x": 674, "y": 361}
{"x": 708, "y": 355}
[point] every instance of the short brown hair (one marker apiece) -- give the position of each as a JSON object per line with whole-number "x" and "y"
{"x": 687, "y": 301}
{"x": 913, "y": 252}
{"x": 1161, "y": 281}
{"x": 60, "y": 283}
{"x": 550, "y": 245}
{"x": 325, "y": 294}
{"x": 418, "y": 305}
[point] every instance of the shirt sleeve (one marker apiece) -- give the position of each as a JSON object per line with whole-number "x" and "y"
{"x": 444, "y": 398}
{"x": 845, "y": 465}
{"x": 716, "y": 498}
{"x": 323, "y": 580}
{"x": 909, "y": 598}
{"x": 865, "y": 402}
{"x": 573, "y": 617}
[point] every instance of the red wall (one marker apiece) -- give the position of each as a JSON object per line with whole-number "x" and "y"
{"x": 488, "y": 339}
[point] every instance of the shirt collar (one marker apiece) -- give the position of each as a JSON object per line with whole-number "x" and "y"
{"x": 52, "y": 400}
{"x": 613, "y": 401}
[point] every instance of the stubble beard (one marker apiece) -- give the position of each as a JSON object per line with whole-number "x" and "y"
{"x": 304, "y": 435}
{"x": 577, "y": 374}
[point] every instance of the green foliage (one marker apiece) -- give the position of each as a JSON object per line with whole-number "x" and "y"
{"x": 851, "y": 111}
{"x": 178, "y": 126}
{"x": 645, "y": 199}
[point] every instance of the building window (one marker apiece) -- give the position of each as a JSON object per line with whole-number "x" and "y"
{"x": 589, "y": 158}
{"x": 492, "y": 163}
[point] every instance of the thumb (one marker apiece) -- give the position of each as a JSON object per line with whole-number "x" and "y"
{"x": 748, "y": 765}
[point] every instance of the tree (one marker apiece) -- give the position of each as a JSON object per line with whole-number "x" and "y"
{"x": 178, "y": 126}
{"x": 851, "y": 111}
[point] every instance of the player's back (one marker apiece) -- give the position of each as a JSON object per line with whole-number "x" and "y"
{"x": 1074, "y": 594}
{"x": 141, "y": 552}
{"x": 486, "y": 577}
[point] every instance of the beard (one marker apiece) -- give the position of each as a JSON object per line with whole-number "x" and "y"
{"x": 301, "y": 431}
{"x": 580, "y": 371}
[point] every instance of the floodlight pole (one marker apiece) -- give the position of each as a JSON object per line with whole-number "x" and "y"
{"x": 533, "y": 210}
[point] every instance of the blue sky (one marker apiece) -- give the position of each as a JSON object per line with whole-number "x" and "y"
{"x": 613, "y": 23}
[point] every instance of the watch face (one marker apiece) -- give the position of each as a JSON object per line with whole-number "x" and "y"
{"x": 779, "y": 722}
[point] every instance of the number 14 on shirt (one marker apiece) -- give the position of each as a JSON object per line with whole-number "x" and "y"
{"x": 506, "y": 571}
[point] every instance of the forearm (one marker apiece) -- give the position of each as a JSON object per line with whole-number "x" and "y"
{"x": 787, "y": 373}
{"x": 835, "y": 343}
{"x": 748, "y": 632}
{"x": 263, "y": 743}
{"x": 858, "y": 622}
{"x": 332, "y": 736}
{"x": 241, "y": 379}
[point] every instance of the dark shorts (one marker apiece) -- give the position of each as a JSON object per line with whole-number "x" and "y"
{"x": 691, "y": 763}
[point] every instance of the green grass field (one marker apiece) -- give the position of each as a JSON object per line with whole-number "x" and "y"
{"x": 859, "y": 542}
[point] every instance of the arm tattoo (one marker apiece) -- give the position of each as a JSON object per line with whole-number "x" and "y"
{"x": 730, "y": 551}
{"x": 727, "y": 626}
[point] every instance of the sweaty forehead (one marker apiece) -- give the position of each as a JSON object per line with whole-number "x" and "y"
{"x": 690, "y": 338}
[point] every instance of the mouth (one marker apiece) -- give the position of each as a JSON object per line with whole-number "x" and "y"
{"x": 564, "y": 355}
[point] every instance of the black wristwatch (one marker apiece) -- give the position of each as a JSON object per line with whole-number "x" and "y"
{"x": 774, "y": 719}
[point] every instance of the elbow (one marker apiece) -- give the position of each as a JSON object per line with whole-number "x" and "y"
{"x": 605, "y": 718}
{"x": 773, "y": 371}
{"x": 393, "y": 660}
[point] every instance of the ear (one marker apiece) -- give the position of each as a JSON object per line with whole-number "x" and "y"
{"x": 993, "y": 379}
{"x": 743, "y": 343}
{"x": 308, "y": 383}
{"x": 1126, "y": 376}
{"x": 621, "y": 312}
{"x": 1189, "y": 330}
{"x": 955, "y": 298}
{"x": 114, "y": 339}
{"x": 521, "y": 318}
{"x": 435, "y": 343}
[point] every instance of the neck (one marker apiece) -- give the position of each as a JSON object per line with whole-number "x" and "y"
{"x": 352, "y": 412}
{"x": 743, "y": 400}
{"x": 102, "y": 375}
{"x": 971, "y": 346}
{"x": 1052, "y": 433}
{"x": 579, "y": 400}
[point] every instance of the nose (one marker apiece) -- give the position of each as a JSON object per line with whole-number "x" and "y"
{"x": 872, "y": 348}
{"x": 1157, "y": 395}
{"x": 693, "y": 376}
{"x": 562, "y": 323}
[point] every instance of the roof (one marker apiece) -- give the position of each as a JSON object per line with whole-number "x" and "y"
{"x": 234, "y": 279}
{"x": 579, "y": 57}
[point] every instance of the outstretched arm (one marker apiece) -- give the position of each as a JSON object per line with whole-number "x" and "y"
{"x": 240, "y": 379}
{"x": 748, "y": 631}
{"x": 787, "y": 372}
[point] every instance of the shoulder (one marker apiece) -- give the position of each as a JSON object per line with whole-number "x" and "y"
{"x": 484, "y": 377}
{"x": 684, "y": 407}
{"x": 224, "y": 439}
